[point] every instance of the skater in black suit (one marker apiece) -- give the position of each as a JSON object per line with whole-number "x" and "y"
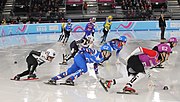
{"x": 34, "y": 59}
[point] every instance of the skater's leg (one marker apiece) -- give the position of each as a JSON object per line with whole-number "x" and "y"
{"x": 33, "y": 68}
{"x": 67, "y": 36}
{"x": 135, "y": 70}
{"x": 62, "y": 34}
{"x": 70, "y": 70}
{"x": 81, "y": 63}
{"x": 104, "y": 36}
{"x": 72, "y": 55}
{"x": 23, "y": 73}
{"x": 93, "y": 34}
{"x": 18, "y": 76}
{"x": 31, "y": 61}
{"x": 63, "y": 40}
{"x": 61, "y": 37}
{"x": 77, "y": 74}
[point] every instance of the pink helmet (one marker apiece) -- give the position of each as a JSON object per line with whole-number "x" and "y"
{"x": 164, "y": 48}
{"x": 90, "y": 19}
{"x": 173, "y": 39}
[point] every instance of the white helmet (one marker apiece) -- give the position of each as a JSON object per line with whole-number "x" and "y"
{"x": 93, "y": 18}
{"x": 50, "y": 53}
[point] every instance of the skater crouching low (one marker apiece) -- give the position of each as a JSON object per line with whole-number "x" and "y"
{"x": 79, "y": 67}
{"x": 34, "y": 59}
{"x": 75, "y": 46}
{"x": 138, "y": 64}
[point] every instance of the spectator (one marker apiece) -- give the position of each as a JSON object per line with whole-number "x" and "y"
{"x": 85, "y": 5}
{"x": 162, "y": 26}
{"x": 163, "y": 9}
{"x": 113, "y": 7}
{"x": 18, "y": 19}
{"x": 3, "y": 21}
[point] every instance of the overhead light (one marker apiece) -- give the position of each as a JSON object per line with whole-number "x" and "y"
{"x": 156, "y": 3}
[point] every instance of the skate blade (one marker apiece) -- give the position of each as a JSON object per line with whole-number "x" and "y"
{"x": 49, "y": 83}
{"x": 127, "y": 93}
{"x": 30, "y": 79}
{"x": 14, "y": 79}
{"x": 63, "y": 64}
{"x": 102, "y": 84}
{"x": 157, "y": 67}
{"x": 25, "y": 79}
{"x": 66, "y": 84}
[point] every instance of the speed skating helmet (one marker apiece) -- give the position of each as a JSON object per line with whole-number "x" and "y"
{"x": 69, "y": 20}
{"x": 123, "y": 38}
{"x": 106, "y": 47}
{"x": 173, "y": 39}
{"x": 51, "y": 53}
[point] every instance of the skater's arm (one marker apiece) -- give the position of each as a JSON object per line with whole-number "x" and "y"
{"x": 149, "y": 52}
{"x": 88, "y": 50}
{"x": 86, "y": 28}
{"x": 37, "y": 53}
{"x": 117, "y": 53}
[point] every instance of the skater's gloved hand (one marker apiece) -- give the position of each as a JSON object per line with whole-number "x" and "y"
{"x": 95, "y": 65}
{"x": 96, "y": 68}
{"x": 96, "y": 71}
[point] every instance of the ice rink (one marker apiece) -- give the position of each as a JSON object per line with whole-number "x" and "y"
{"x": 87, "y": 88}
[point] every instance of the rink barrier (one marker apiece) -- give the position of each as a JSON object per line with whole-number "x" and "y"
{"x": 49, "y": 32}
{"x": 19, "y": 29}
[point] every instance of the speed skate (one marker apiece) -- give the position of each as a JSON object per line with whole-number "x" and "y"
{"x": 25, "y": 79}
{"x": 61, "y": 83}
{"x": 121, "y": 92}
{"x": 66, "y": 84}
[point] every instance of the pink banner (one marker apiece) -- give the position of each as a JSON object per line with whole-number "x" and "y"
{"x": 74, "y": 1}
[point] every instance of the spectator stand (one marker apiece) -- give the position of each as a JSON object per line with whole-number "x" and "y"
{"x": 39, "y": 10}
{"x": 106, "y": 7}
{"x": 174, "y": 8}
{"x": 160, "y": 6}
{"x": 2, "y": 4}
{"x": 74, "y": 8}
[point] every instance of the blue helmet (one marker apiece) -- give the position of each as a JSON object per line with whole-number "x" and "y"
{"x": 123, "y": 38}
{"x": 68, "y": 20}
{"x": 106, "y": 47}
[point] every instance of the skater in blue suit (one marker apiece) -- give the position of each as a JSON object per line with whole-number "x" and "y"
{"x": 89, "y": 29}
{"x": 117, "y": 45}
{"x": 79, "y": 67}
{"x": 67, "y": 31}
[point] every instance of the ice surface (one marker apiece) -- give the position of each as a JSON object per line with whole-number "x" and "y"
{"x": 88, "y": 89}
